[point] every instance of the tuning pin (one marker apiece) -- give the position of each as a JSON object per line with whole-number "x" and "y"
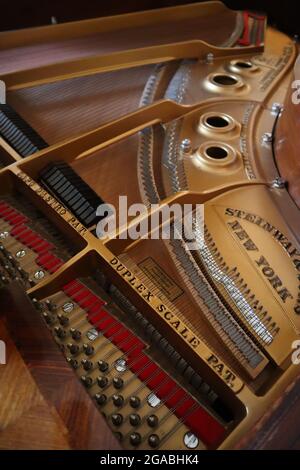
{"x": 153, "y": 440}
{"x": 38, "y": 305}
{"x": 118, "y": 383}
{"x": 103, "y": 366}
{"x": 23, "y": 273}
{"x": 102, "y": 381}
{"x": 76, "y": 334}
{"x": 118, "y": 400}
{"x": 135, "y": 438}
{"x": 4, "y": 280}
{"x": 60, "y": 333}
{"x": 87, "y": 365}
{"x": 134, "y": 401}
{"x": 51, "y": 305}
{"x": 73, "y": 348}
{"x": 48, "y": 318}
{"x": 100, "y": 398}
{"x": 87, "y": 381}
{"x": 152, "y": 421}
{"x": 88, "y": 349}
{"x": 73, "y": 363}
{"x": 117, "y": 419}
{"x": 134, "y": 419}
{"x": 63, "y": 320}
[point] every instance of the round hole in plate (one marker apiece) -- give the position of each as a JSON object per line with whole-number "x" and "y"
{"x": 225, "y": 80}
{"x": 218, "y": 153}
{"x": 243, "y": 64}
{"x": 217, "y": 121}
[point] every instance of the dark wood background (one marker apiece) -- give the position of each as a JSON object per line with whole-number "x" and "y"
{"x": 25, "y": 13}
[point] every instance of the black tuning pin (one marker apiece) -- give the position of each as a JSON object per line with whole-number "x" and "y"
{"x": 102, "y": 381}
{"x": 117, "y": 419}
{"x": 73, "y": 363}
{"x": 134, "y": 402}
{"x": 60, "y": 332}
{"x": 23, "y": 273}
{"x": 152, "y": 421}
{"x": 135, "y": 438}
{"x": 87, "y": 381}
{"x": 153, "y": 440}
{"x": 87, "y": 365}
{"x": 38, "y": 305}
{"x": 118, "y": 382}
{"x": 76, "y": 334}
{"x": 51, "y": 305}
{"x": 134, "y": 419}
{"x": 63, "y": 320}
{"x": 118, "y": 400}
{"x": 100, "y": 398}
{"x": 48, "y": 318}
{"x": 88, "y": 349}
{"x": 73, "y": 348}
{"x": 103, "y": 366}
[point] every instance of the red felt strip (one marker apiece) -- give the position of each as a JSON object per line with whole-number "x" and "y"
{"x": 18, "y": 229}
{"x": 196, "y": 418}
{"x": 72, "y": 287}
{"x": 245, "y": 39}
{"x": 17, "y": 219}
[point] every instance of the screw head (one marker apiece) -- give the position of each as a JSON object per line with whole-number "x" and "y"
{"x": 20, "y": 254}
{"x": 278, "y": 183}
{"x": 210, "y": 58}
{"x": 68, "y": 307}
{"x": 153, "y": 400}
{"x": 267, "y": 138}
{"x": 190, "y": 440}
{"x": 276, "y": 108}
{"x": 39, "y": 274}
{"x": 4, "y": 235}
{"x": 186, "y": 146}
{"x": 121, "y": 365}
{"x": 92, "y": 334}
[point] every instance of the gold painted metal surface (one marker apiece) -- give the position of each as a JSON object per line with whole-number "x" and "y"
{"x": 118, "y": 61}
